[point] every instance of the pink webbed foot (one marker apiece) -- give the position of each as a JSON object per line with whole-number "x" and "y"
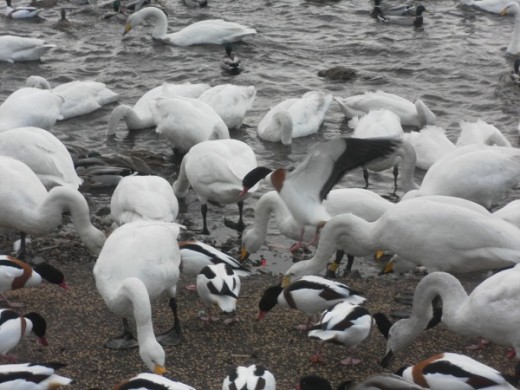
{"x": 481, "y": 344}
{"x": 350, "y": 361}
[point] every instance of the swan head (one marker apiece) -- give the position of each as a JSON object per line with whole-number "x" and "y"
{"x": 251, "y": 242}
{"x": 94, "y": 240}
{"x": 512, "y": 8}
{"x": 152, "y": 354}
{"x": 283, "y": 121}
{"x": 37, "y": 82}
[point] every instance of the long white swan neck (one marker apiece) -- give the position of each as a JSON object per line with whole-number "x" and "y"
{"x": 160, "y": 21}
{"x": 181, "y": 185}
{"x": 136, "y": 292}
{"x": 409, "y": 160}
{"x": 448, "y": 288}
{"x": 125, "y": 112}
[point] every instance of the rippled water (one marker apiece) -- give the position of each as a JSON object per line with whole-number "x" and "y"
{"x": 456, "y": 65}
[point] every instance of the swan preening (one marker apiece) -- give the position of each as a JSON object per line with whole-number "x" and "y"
{"x": 26, "y": 206}
{"x": 411, "y": 114}
{"x": 490, "y": 311}
{"x": 214, "y": 31}
{"x": 14, "y": 49}
{"x": 139, "y": 261}
{"x": 295, "y": 117}
{"x": 80, "y": 96}
{"x": 45, "y": 108}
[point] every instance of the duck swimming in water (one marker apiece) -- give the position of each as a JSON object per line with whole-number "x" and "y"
{"x": 230, "y": 63}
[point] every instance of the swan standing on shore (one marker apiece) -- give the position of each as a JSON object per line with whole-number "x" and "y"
{"x": 470, "y": 240}
{"x": 213, "y": 31}
{"x": 499, "y": 295}
{"x": 139, "y": 261}
{"x": 27, "y": 207}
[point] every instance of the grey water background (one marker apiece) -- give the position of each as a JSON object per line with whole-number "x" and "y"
{"x": 456, "y": 64}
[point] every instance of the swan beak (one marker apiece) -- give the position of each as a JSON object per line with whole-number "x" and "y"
{"x": 128, "y": 27}
{"x": 503, "y": 12}
{"x": 159, "y": 370}
{"x": 379, "y": 255}
{"x": 286, "y": 280}
{"x": 244, "y": 254}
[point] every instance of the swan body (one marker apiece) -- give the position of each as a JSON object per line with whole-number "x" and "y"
{"x": 148, "y": 380}
{"x": 139, "y": 261}
{"x": 363, "y": 203}
{"x": 32, "y": 376}
{"x": 26, "y": 206}
{"x": 213, "y": 31}
{"x": 310, "y": 294}
{"x": 215, "y": 170}
{"x": 80, "y": 97}
{"x": 493, "y": 6}
{"x": 462, "y": 313}
{"x": 13, "y": 327}
{"x": 480, "y": 132}
{"x": 411, "y": 114}
{"x": 294, "y": 118}
{"x": 345, "y": 323}
{"x": 482, "y": 174}
{"x": 41, "y": 151}
{"x": 513, "y": 8}
{"x": 510, "y": 213}
{"x": 15, "y": 49}
{"x": 195, "y": 255}
{"x": 231, "y": 102}
{"x": 456, "y": 372}
{"x": 430, "y": 145}
{"x": 471, "y": 238}
{"x": 21, "y": 12}
{"x": 386, "y": 124}
{"x": 249, "y": 378}
{"x": 143, "y": 198}
{"x": 140, "y": 116}
{"x": 30, "y": 107}
{"x": 185, "y": 122}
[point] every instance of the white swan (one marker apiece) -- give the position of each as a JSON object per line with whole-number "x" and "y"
{"x": 386, "y": 124}
{"x": 363, "y": 203}
{"x": 139, "y": 261}
{"x": 231, "y": 102}
{"x": 499, "y": 295}
{"x": 493, "y": 6}
{"x": 215, "y": 170}
{"x": 41, "y": 151}
{"x": 213, "y": 31}
{"x": 143, "y": 197}
{"x": 411, "y": 114}
{"x": 26, "y": 206}
{"x": 14, "y": 49}
{"x": 21, "y": 12}
{"x": 140, "y": 116}
{"x": 185, "y": 122}
{"x": 480, "y": 132}
{"x": 80, "y": 97}
{"x": 430, "y": 145}
{"x": 510, "y": 213}
{"x": 294, "y": 118}
{"x": 471, "y": 239}
{"x": 30, "y": 107}
{"x": 514, "y": 44}
{"x": 480, "y": 173}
